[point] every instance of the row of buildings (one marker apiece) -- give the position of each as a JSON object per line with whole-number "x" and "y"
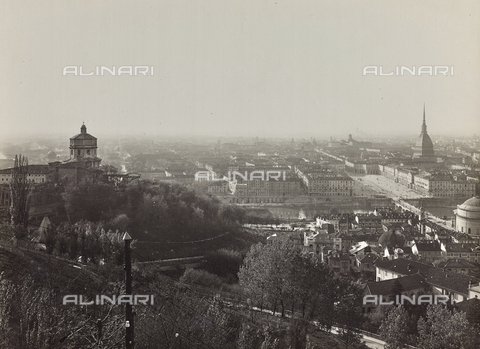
{"x": 301, "y": 180}
{"x": 402, "y": 258}
{"x": 424, "y": 171}
{"x": 432, "y": 183}
{"x": 325, "y": 182}
{"x": 411, "y": 278}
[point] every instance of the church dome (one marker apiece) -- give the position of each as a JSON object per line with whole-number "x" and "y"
{"x": 83, "y": 134}
{"x": 392, "y": 239}
{"x": 472, "y": 204}
{"x": 467, "y": 217}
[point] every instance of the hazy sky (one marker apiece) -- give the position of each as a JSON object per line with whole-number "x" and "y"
{"x": 250, "y": 68}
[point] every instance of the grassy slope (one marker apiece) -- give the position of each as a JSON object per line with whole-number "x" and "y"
{"x": 46, "y": 270}
{"x": 238, "y": 242}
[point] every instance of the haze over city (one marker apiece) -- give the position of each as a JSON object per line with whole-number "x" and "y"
{"x": 240, "y": 174}
{"x": 239, "y": 68}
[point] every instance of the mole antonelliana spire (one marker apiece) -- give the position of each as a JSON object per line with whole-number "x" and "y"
{"x": 423, "y": 149}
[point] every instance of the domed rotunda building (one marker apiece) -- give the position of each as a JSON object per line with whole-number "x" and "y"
{"x": 467, "y": 217}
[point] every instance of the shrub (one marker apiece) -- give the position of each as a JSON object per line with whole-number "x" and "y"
{"x": 201, "y": 277}
{"x": 225, "y": 263}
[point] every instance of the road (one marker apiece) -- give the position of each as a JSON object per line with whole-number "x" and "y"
{"x": 395, "y": 191}
{"x": 369, "y": 341}
{"x": 444, "y": 224}
{"x": 373, "y": 342}
{"x": 382, "y": 185}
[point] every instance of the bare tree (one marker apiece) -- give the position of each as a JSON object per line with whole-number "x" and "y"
{"x": 20, "y": 192}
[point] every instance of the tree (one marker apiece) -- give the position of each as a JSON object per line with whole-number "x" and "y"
{"x": 297, "y": 334}
{"x": 473, "y": 317}
{"x": 394, "y": 329}
{"x": 347, "y": 310}
{"x": 19, "y": 192}
{"x": 224, "y": 263}
{"x": 444, "y": 329}
{"x": 92, "y": 202}
{"x": 32, "y": 315}
{"x": 266, "y": 275}
{"x": 397, "y": 288}
{"x": 251, "y": 276}
{"x": 270, "y": 342}
{"x": 280, "y": 274}
{"x": 306, "y": 274}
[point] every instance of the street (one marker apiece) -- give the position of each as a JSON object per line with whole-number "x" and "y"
{"x": 382, "y": 185}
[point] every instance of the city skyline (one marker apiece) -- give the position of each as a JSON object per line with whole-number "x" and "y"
{"x": 277, "y": 69}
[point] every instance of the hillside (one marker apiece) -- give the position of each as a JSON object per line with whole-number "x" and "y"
{"x": 16, "y": 265}
{"x": 237, "y": 240}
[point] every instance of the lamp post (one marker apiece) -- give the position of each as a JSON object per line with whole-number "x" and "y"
{"x": 129, "y": 336}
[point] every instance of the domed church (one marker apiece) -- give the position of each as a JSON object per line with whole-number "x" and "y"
{"x": 83, "y": 148}
{"x": 467, "y": 217}
{"x": 83, "y": 167}
{"x": 423, "y": 149}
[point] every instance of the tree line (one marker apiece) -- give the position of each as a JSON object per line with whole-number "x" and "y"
{"x": 157, "y": 212}
{"x": 439, "y": 327}
{"x": 281, "y": 277}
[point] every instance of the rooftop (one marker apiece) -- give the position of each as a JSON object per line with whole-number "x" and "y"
{"x": 409, "y": 283}
{"x": 404, "y": 266}
{"x": 428, "y": 246}
{"x": 454, "y": 263}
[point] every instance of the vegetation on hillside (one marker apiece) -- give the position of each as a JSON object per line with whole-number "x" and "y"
{"x": 160, "y": 212}
{"x": 281, "y": 277}
{"x": 439, "y": 328}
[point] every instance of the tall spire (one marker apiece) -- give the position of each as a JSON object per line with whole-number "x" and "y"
{"x": 424, "y": 125}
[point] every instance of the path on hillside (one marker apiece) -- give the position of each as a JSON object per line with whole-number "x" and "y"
{"x": 370, "y": 342}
